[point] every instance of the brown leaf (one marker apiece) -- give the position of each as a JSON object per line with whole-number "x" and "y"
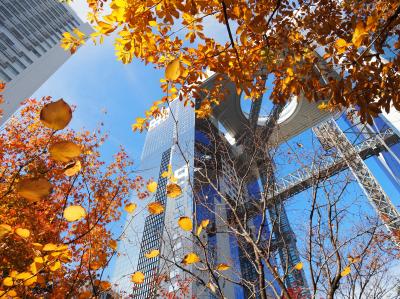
{"x": 64, "y": 151}
{"x": 56, "y": 115}
{"x": 34, "y": 189}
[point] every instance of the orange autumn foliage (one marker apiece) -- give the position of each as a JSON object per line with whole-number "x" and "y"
{"x": 256, "y": 37}
{"x": 42, "y": 254}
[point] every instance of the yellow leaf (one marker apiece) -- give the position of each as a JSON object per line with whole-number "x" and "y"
{"x": 64, "y": 151}
{"x": 152, "y": 187}
{"x": 173, "y": 190}
{"x": 155, "y": 208}
{"x": 56, "y": 115}
{"x": 341, "y": 45}
{"x": 130, "y": 207}
{"x": 173, "y": 70}
{"x": 35, "y": 267}
{"x": 8, "y": 282}
{"x": 153, "y": 23}
{"x": 55, "y": 266}
{"x": 50, "y": 247}
{"x": 137, "y": 277}
{"x": 299, "y": 266}
{"x": 23, "y": 232}
{"x": 113, "y": 244}
{"x": 185, "y": 223}
{"x": 152, "y": 254}
{"x": 203, "y": 224}
{"x": 34, "y": 189}
{"x": 30, "y": 280}
{"x": 74, "y": 213}
{"x": 73, "y": 168}
{"x": 190, "y": 258}
{"x": 168, "y": 173}
{"x": 359, "y": 34}
{"x": 346, "y": 271}
{"x": 13, "y": 273}
{"x": 23, "y": 275}
{"x": 322, "y": 106}
{"x": 4, "y": 229}
{"x": 222, "y": 267}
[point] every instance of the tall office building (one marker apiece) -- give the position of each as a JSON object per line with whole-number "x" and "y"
{"x": 194, "y": 155}
{"x": 30, "y": 33}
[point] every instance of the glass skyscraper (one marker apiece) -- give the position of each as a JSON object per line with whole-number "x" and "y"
{"x": 30, "y": 52}
{"x": 178, "y": 139}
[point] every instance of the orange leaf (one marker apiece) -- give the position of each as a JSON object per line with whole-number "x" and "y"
{"x": 113, "y": 244}
{"x": 56, "y": 115}
{"x": 155, "y": 208}
{"x": 64, "y": 151}
{"x": 173, "y": 190}
{"x": 34, "y": 189}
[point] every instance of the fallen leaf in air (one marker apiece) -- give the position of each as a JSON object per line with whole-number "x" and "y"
{"x": 173, "y": 190}
{"x": 203, "y": 224}
{"x": 137, "y": 277}
{"x": 152, "y": 187}
{"x": 64, "y": 151}
{"x": 299, "y": 266}
{"x": 73, "y": 168}
{"x": 113, "y": 244}
{"x": 130, "y": 207}
{"x": 155, "y": 208}
{"x": 222, "y": 267}
{"x": 74, "y": 213}
{"x": 152, "y": 254}
{"x": 345, "y": 272}
{"x": 185, "y": 223}
{"x": 190, "y": 258}
{"x": 34, "y": 189}
{"x": 56, "y": 115}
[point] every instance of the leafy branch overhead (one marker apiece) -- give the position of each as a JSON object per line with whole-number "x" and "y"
{"x": 296, "y": 42}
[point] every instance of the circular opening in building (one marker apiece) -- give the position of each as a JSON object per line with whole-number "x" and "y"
{"x": 267, "y": 104}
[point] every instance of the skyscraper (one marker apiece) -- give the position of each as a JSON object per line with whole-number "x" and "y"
{"x": 199, "y": 200}
{"x": 30, "y": 33}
